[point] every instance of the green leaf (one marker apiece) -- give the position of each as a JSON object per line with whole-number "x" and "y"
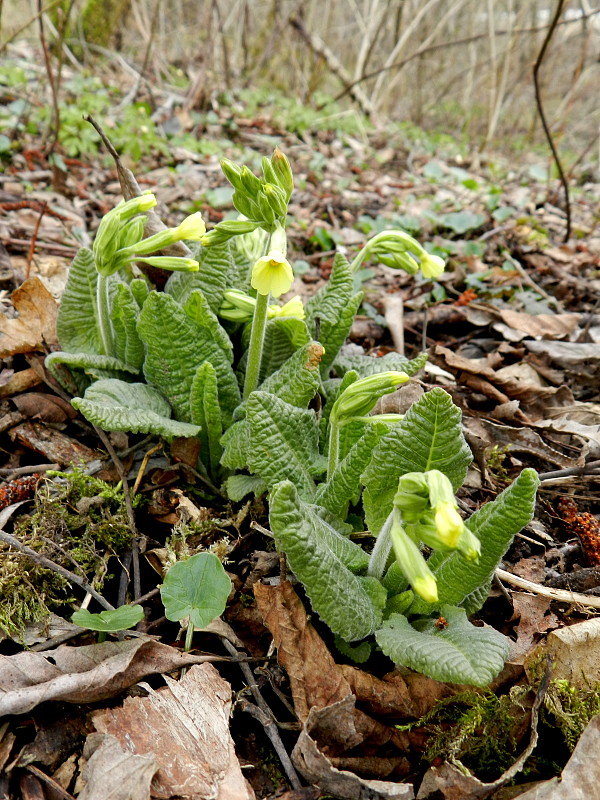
{"x": 205, "y": 411}
{"x": 212, "y": 278}
{"x": 429, "y": 437}
{"x": 197, "y": 308}
{"x": 494, "y": 524}
{"x": 334, "y": 306}
{"x": 77, "y": 323}
{"x": 462, "y": 221}
{"x": 297, "y": 380}
{"x": 283, "y": 442}
{"x": 344, "y": 485}
{"x": 322, "y": 559}
{"x": 283, "y": 336}
{"x": 235, "y": 443}
{"x": 117, "y": 619}
{"x": 197, "y": 588}
{"x": 459, "y": 653}
{"x": 238, "y": 486}
{"x": 359, "y": 653}
{"x": 368, "y": 365}
{"x": 124, "y": 316}
{"x": 91, "y": 364}
{"x": 135, "y": 407}
{"x": 175, "y": 347}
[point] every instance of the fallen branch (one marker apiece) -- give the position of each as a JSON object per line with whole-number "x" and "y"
{"x": 545, "y": 591}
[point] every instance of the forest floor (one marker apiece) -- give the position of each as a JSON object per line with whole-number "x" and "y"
{"x": 512, "y": 332}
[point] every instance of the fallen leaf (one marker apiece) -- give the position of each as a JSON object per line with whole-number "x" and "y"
{"x": 46, "y": 407}
{"x": 83, "y": 674}
{"x": 317, "y": 769}
{"x": 574, "y": 651}
{"x": 35, "y": 327}
{"x": 581, "y": 776}
{"x": 57, "y": 447}
{"x": 543, "y": 326}
{"x": 534, "y": 619}
{"x": 185, "y": 726}
{"x": 112, "y": 771}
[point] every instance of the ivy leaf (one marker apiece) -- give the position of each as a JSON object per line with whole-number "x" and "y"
{"x": 284, "y": 442}
{"x": 368, "y": 365}
{"x": 322, "y": 559}
{"x": 197, "y": 588}
{"x": 205, "y": 411}
{"x": 135, "y": 407}
{"x": 458, "y": 653}
{"x": 463, "y": 582}
{"x": 77, "y": 322}
{"x": 110, "y": 621}
{"x": 429, "y": 437}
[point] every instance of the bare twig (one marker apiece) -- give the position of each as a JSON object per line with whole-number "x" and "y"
{"x": 587, "y": 469}
{"x": 46, "y": 562}
{"x": 36, "y": 229}
{"x": 538, "y": 100}
{"x": 24, "y": 27}
{"x": 55, "y": 125}
{"x": 264, "y": 715}
{"x": 562, "y": 595}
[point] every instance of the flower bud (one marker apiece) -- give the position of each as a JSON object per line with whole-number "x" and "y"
{"x": 412, "y": 564}
{"x": 276, "y": 198}
{"x": 192, "y": 228}
{"x": 431, "y": 266}
{"x": 250, "y": 183}
{"x": 272, "y": 274}
{"x": 281, "y": 166}
{"x": 172, "y": 263}
{"x": 232, "y": 173}
{"x": 449, "y": 523}
{"x": 362, "y": 395}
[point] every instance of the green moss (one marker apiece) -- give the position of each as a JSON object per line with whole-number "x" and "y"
{"x": 570, "y": 709}
{"x": 78, "y": 522}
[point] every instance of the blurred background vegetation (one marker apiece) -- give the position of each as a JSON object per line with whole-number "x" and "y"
{"x": 461, "y": 70}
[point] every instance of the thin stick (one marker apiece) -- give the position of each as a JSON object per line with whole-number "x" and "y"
{"x": 46, "y": 562}
{"x": 545, "y": 591}
{"x": 538, "y": 100}
{"x": 137, "y": 589}
{"x": 55, "y": 127}
{"x": 587, "y": 469}
{"x": 36, "y": 230}
{"x": 264, "y": 715}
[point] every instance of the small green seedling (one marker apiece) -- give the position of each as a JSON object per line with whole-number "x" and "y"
{"x": 197, "y": 588}
{"x": 117, "y": 619}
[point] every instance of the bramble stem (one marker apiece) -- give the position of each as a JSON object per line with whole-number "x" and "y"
{"x": 257, "y": 338}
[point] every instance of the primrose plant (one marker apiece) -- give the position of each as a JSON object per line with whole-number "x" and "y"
{"x": 280, "y": 407}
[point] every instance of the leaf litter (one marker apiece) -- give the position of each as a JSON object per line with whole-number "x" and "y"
{"x": 513, "y": 339}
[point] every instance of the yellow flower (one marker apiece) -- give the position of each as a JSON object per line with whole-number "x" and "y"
{"x": 448, "y": 523}
{"x": 192, "y": 228}
{"x": 272, "y": 274}
{"x": 293, "y": 308}
{"x": 431, "y": 266}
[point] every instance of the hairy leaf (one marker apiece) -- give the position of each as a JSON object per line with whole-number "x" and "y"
{"x": 212, "y": 278}
{"x": 197, "y": 308}
{"x": 77, "y": 323}
{"x": 93, "y": 365}
{"x": 283, "y": 336}
{"x": 124, "y": 316}
{"x": 344, "y": 485}
{"x": 458, "y": 653}
{"x": 235, "y": 443}
{"x": 238, "y": 486}
{"x": 368, "y": 365}
{"x": 429, "y": 437}
{"x": 283, "y": 442}
{"x": 205, "y": 411}
{"x": 297, "y": 380}
{"x": 322, "y": 559}
{"x": 135, "y": 407}
{"x": 494, "y": 524}
{"x": 175, "y": 347}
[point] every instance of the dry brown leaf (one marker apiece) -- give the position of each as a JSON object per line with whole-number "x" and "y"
{"x": 47, "y": 407}
{"x": 315, "y": 678}
{"x": 317, "y": 769}
{"x": 185, "y": 726}
{"x": 534, "y": 620}
{"x": 574, "y": 651}
{"x": 83, "y": 674}
{"x": 112, "y": 771}
{"x": 57, "y": 447}
{"x": 35, "y": 327}
{"x": 543, "y": 326}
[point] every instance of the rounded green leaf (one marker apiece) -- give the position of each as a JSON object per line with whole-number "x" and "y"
{"x": 118, "y": 619}
{"x": 197, "y": 588}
